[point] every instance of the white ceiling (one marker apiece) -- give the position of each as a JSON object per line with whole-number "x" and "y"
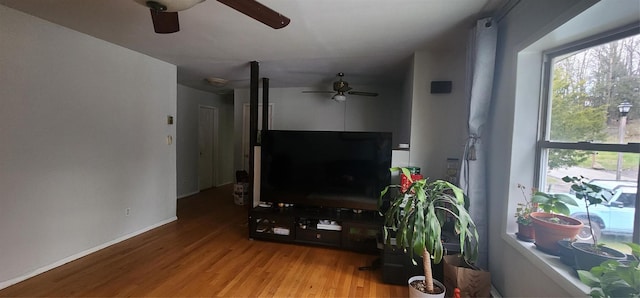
{"x": 371, "y": 41}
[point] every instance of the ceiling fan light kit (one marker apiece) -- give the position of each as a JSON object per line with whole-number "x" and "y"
{"x": 340, "y": 87}
{"x": 340, "y": 97}
{"x": 164, "y": 13}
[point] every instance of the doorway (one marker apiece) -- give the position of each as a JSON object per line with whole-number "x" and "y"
{"x": 207, "y": 147}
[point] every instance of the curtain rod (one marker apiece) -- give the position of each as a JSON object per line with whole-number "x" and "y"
{"x": 506, "y": 9}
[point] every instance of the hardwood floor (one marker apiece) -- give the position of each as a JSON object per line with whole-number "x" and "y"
{"x": 207, "y": 253}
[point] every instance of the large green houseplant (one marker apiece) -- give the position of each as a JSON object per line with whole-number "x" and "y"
{"x": 417, "y": 216}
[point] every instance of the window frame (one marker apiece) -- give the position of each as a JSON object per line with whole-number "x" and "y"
{"x": 543, "y": 143}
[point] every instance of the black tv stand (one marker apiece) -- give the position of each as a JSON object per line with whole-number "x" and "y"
{"x": 332, "y": 227}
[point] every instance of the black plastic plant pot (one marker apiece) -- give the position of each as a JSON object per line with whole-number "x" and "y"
{"x": 586, "y": 256}
{"x": 566, "y": 252}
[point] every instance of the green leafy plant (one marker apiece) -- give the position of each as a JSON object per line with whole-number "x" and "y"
{"x": 591, "y": 195}
{"x": 418, "y": 215}
{"x": 614, "y": 278}
{"x": 554, "y": 203}
{"x": 523, "y": 210}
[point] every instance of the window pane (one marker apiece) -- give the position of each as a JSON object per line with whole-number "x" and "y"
{"x": 615, "y": 219}
{"x": 588, "y": 88}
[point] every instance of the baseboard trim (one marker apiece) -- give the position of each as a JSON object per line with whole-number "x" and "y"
{"x": 188, "y": 194}
{"x": 224, "y": 183}
{"x": 40, "y": 270}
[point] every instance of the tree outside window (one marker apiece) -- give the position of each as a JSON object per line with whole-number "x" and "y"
{"x": 580, "y": 135}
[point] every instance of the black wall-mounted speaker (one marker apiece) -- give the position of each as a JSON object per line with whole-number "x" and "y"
{"x": 440, "y": 87}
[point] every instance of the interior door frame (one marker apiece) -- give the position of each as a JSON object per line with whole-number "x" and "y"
{"x": 214, "y": 147}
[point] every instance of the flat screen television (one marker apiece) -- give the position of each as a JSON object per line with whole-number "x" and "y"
{"x": 325, "y": 168}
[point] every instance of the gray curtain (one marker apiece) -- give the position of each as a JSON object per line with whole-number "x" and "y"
{"x": 473, "y": 171}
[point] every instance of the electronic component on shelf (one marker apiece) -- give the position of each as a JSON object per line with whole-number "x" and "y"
{"x": 263, "y": 225}
{"x": 316, "y": 226}
{"x": 325, "y": 224}
{"x": 280, "y": 231}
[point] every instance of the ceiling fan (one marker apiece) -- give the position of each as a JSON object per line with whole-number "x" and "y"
{"x": 340, "y": 87}
{"x": 164, "y": 13}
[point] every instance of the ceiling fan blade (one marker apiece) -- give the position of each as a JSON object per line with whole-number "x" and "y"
{"x": 318, "y": 92}
{"x": 165, "y": 22}
{"x": 258, "y": 12}
{"x": 361, "y": 93}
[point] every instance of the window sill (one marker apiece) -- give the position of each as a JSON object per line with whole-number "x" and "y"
{"x": 564, "y": 275}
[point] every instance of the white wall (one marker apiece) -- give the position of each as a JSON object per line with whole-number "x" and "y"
{"x": 294, "y": 110}
{"x": 189, "y": 101}
{"x": 438, "y": 121}
{"x": 84, "y": 136}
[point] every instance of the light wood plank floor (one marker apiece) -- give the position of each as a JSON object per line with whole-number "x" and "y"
{"x": 207, "y": 253}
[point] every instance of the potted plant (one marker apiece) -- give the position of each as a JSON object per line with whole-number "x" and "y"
{"x": 614, "y": 278}
{"x": 554, "y": 223}
{"x": 588, "y": 255}
{"x": 417, "y": 215}
{"x": 523, "y": 218}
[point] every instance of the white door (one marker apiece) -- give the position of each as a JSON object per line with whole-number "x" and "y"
{"x": 245, "y": 130}
{"x": 206, "y": 145}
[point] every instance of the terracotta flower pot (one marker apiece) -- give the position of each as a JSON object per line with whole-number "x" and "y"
{"x": 549, "y": 233}
{"x": 526, "y": 232}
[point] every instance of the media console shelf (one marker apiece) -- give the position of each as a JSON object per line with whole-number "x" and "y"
{"x": 334, "y": 227}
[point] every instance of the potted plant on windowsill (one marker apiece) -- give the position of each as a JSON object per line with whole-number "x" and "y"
{"x": 588, "y": 255}
{"x": 523, "y": 218}
{"x": 417, "y": 216}
{"x": 614, "y": 278}
{"x": 554, "y": 223}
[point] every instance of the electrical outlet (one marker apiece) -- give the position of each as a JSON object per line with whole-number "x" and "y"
{"x": 127, "y": 211}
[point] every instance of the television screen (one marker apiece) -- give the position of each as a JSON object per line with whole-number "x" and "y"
{"x": 325, "y": 168}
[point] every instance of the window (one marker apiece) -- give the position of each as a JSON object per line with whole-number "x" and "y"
{"x": 591, "y": 127}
